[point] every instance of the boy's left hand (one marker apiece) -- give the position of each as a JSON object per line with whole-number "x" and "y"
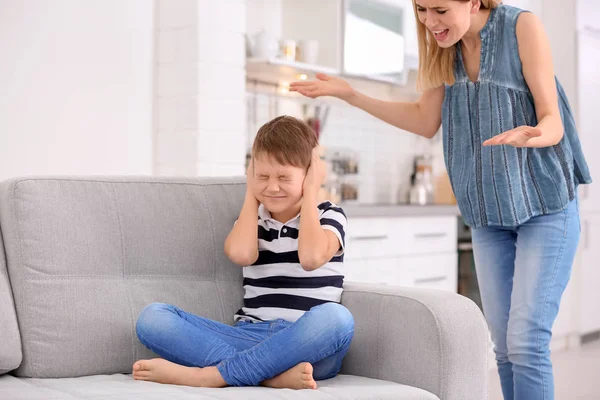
{"x": 315, "y": 176}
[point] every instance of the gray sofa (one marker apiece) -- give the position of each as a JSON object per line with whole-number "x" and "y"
{"x": 81, "y": 256}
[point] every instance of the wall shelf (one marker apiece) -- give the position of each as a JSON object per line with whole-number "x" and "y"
{"x": 277, "y": 71}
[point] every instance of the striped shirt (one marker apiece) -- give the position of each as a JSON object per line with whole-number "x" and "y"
{"x": 276, "y": 286}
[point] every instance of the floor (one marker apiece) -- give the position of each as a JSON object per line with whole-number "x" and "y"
{"x": 576, "y": 374}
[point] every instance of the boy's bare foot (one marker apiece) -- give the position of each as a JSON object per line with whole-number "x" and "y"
{"x": 298, "y": 377}
{"x": 163, "y": 371}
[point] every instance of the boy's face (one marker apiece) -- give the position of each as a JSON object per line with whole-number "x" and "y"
{"x": 277, "y": 186}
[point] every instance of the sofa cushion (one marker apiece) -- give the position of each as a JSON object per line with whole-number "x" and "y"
{"x": 117, "y": 387}
{"x": 10, "y": 342}
{"x": 86, "y": 255}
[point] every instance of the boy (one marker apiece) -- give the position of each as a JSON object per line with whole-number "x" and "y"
{"x": 291, "y": 330}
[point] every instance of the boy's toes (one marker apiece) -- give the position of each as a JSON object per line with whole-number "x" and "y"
{"x": 141, "y": 365}
{"x": 309, "y": 384}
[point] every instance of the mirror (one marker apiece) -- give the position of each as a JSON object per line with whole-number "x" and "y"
{"x": 374, "y": 39}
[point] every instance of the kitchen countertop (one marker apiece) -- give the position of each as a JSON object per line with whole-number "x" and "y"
{"x": 398, "y": 210}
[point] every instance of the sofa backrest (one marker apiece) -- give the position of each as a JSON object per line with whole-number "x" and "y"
{"x": 10, "y": 341}
{"x": 87, "y": 254}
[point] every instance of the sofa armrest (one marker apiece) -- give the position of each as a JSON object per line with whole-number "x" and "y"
{"x": 433, "y": 340}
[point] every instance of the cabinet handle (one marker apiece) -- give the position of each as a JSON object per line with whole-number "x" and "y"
{"x": 374, "y": 237}
{"x": 586, "y": 234}
{"x": 430, "y": 235}
{"x": 431, "y": 280}
{"x": 465, "y": 246}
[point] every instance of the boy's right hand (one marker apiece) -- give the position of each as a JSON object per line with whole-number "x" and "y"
{"x": 250, "y": 181}
{"x": 325, "y": 85}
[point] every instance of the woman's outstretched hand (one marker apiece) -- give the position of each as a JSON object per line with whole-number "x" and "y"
{"x": 517, "y": 137}
{"x": 324, "y": 85}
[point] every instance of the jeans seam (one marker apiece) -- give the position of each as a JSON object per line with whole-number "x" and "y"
{"x": 221, "y": 365}
{"x": 220, "y": 332}
{"x": 545, "y": 303}
{"x": 345, "y": 337}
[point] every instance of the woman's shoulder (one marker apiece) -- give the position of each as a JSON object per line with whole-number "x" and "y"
{"x": 504, "y": 24}
{"x": 510, "y": 14}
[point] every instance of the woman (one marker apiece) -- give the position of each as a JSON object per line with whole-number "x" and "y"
{"x": 514, "y": 160}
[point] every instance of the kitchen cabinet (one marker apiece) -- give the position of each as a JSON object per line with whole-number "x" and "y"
{"x": 589, "y": 274}
{"x": 315, "y": 20}
{"x": 404, "y": 251}
{"x": 588, "y": 87}
{"x": 357, "y": 39}
{"x": 437, "y": 271}
{"x": 411, "y": 43}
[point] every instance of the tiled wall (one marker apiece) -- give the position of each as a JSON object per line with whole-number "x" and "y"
{"x": 385, "y": 153}
{"x": 200, "y": 80}
{"x": 206, "y": 120}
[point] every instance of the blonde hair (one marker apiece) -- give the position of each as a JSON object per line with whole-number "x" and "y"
{"x": 436, "y": 64}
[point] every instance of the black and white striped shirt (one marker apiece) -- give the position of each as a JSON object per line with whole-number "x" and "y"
{"x": 276, "y": 286}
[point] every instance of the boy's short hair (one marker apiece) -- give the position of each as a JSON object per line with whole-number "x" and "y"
{"x": 289, "y": 140}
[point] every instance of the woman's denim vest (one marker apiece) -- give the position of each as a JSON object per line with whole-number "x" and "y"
{"x": 505, "y": 185}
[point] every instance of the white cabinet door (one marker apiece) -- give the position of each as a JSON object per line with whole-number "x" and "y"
{"x": 411, "y": 44}
{"x": 376, "y": 270}
{"x": 437, "y": 271}
{"x": 368, "y": 238}
{"x": 589, "y": 116}
{"x": 589, "y": 274}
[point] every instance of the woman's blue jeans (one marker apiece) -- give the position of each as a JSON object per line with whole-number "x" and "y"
{"x": 522, "y": 273}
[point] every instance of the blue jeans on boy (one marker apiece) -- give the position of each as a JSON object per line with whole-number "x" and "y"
{"x": 248, "y": 353}
{"x": 522, "y": 273}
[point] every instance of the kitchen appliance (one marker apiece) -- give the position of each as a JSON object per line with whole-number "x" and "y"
{"x": 343, "y": 174}
{"x": 289, "y": 48}
{"x": 467, "y": 276}
{"x": 308, "y": 51}
{"x": 421, "y": 190}
{"x": 263, "y": 45}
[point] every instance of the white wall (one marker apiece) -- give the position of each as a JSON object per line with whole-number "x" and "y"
{"x": 560, "y": 26}
{"x": 201, "y": 84}
{"x": 558, "y": 17}
{"x": 264, "y": 15}
{"x": 76, "y": 87}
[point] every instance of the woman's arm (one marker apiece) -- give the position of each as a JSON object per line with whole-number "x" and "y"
{"x": 422, "y": 117}
{"x": 538, "y": 70}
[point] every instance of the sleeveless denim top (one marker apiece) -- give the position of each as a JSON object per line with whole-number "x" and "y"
{"x": 505, "y": 185}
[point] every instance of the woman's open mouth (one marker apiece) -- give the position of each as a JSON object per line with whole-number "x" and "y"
{"x": 440, "y": 35}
